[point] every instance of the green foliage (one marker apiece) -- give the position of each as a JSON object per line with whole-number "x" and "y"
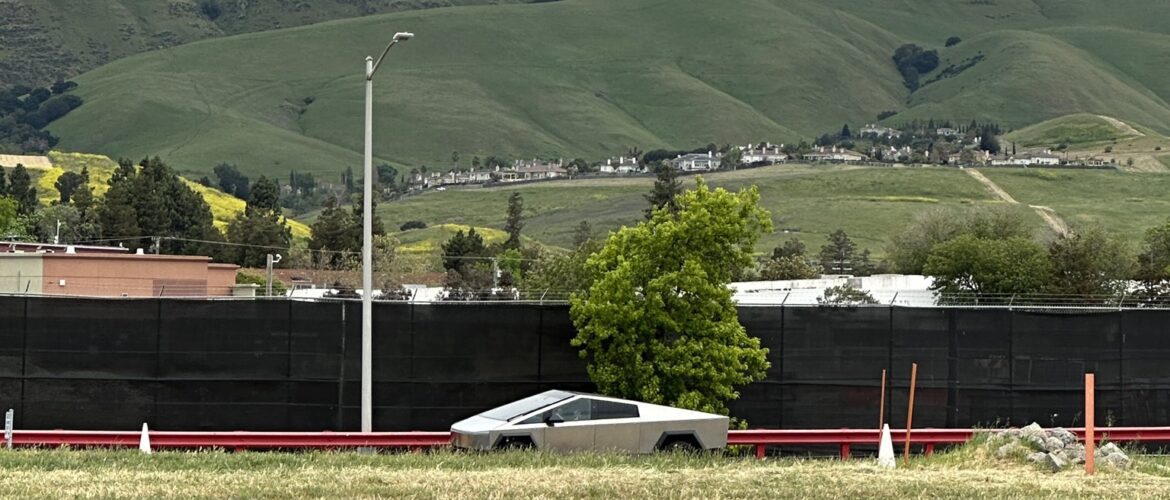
{"x": 1089, "y": 262}
{"x": 332, "y": 243}
{"x": 909, "y": 249}
{"x": 67, "y": 184}
{"x": 913, "y": 61}
{"x": 1154, "y": 263}
{"x": 232, "y": 182}
{"x": 24, "y": 112}
{"x": 667, "y": 188}
{"x": 788, "y": 268}
{"x": 845, "y": 296}
{"x": 840, "y": 256}
{"x": 515, "y": 221}
{"x": 658, "y": 324}
{"x": 20, "y": 188}
{"x": 953, "y": 41}
{"x": 11, "y": 224}
{"x": 154, "y": 201}
{"x": 972, "y": 265}
{"x": 788, "y": 262}
{"x": 245, "y": 278}
{"x": 412, "y": 224}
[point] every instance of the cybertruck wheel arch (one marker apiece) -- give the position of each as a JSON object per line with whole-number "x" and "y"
{"x": 670, "y": 437}
{"x": 514, "y": 442}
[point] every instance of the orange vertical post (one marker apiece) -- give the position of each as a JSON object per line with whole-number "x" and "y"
{"x": 910, "y": 413}
{"x": 882, "y": 406}
{"x": 1090, "y": 422}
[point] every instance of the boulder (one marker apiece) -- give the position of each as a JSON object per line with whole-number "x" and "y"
{"x": 1064, "y": 435}
{"x": 1038, "y": 457}
{"x": 1053, "y": 444}
{"x": 1075, "y": 453}
{"x": 1055, "y": 462}
{"x": 1107, "y": 449}
{"x": 1119, "y": 460}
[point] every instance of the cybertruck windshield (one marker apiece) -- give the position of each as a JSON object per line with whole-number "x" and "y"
{"x": 526, "y": 405}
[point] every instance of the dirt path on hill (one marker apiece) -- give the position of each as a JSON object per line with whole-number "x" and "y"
{"x": 1122, "y": 126}
{"x": 1054, "y": 221}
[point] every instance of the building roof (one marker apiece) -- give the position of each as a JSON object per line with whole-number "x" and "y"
{"x": 33, "y": 247}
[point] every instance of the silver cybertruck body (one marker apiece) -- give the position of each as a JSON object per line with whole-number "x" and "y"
{"x": 573, "y": 421}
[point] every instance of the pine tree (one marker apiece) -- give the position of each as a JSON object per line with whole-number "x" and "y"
{"x": 20, "y": 188}
{"x": 666, "y": 190}
{"x": 515, "y": 221}
{"x": 837, "y": 255}
{"x": 259, "y": 230}
{"x": 332, "y": 234}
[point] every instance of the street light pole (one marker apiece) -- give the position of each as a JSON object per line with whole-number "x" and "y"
{"x": 368, "y": 243}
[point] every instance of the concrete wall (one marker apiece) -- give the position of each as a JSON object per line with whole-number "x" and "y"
{"x": 21, "y": 273}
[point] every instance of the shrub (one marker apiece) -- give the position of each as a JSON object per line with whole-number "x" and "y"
{"x": 953, "y": 41}
{"x": 413, "y": 224}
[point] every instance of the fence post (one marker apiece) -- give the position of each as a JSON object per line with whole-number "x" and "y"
{"x": 910, "y": 413}
{"x": 1090, "y": 419}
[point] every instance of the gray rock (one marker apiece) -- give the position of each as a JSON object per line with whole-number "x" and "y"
{"x": 1038, "y": 457}
{"x": 1108, "y": 449}
{"x": 1053, "y": 444}
{"x": 1032, "y": 427}
{"x": 1007, "y": 450}
{"x": 1055, "y": 462}
{"x": 1118, "y": 459}
{"x": 1075, "y": 453}
{"x": 1064, "y": 435}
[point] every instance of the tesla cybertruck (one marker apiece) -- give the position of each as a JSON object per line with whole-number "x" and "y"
{"x": 574, "y": 421}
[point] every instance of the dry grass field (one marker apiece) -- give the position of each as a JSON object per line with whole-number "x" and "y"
{"x": 965, "y": 473}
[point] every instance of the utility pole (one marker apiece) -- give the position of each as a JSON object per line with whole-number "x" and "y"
{"x": 272, "y": 259}
{"x": 367, "y": 413}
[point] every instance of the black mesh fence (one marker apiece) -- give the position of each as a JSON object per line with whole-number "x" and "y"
{"x": 296, "y": 365}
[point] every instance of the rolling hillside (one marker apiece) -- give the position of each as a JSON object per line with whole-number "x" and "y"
{"x": 47, "y": 39}
{"x": 806, "y": 202}
{"x": 594, "y": 77}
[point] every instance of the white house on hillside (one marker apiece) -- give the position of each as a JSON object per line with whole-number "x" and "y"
{"x": 762, "y": 153}
{"x": 834, "y": 154}
{"x": 620, "y": 165}
{"x": 697, "y": 162}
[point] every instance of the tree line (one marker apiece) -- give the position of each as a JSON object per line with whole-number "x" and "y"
{"x": 146, "y": 206}
{"x": 25, "y": 111}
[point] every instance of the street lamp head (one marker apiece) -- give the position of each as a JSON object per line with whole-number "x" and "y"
{"x": 403, "y": 36}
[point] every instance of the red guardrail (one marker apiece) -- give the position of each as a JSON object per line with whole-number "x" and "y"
{"x": 761, "y": 439}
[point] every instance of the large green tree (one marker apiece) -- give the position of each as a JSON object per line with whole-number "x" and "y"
{"x": 909, "y": 249}
{"x": 1089, "y": 262}
{"x": 666, "y": 189}
{"x": 332, "y": 245}
{"x": 659, "y": 323}
{"x": 1154, "y": 263}
{"x": 515, "y": 221}
{"x": 969, "y": 265}
{"x": 260, "y": 229}
{"x": 153, "y": 202}
{"x": 21, "y": 189}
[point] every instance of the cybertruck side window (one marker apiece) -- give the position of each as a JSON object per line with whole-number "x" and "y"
{"x": 602, "y": 410}
{"x": 585, "y": 409}
{"x": 573, "y": 411}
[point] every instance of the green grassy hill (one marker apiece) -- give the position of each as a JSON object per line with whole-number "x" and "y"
{"x": 1073, "y": 130}
{"x": 594, "y": 77}
{"x": 47, "y": 39}
{"x": 806, "y": 202}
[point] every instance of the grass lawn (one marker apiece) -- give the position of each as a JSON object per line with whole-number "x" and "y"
{"x": 965, "y": 473}
{"x": 1126, "y": 204}
{"x": 807, "y": 202}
